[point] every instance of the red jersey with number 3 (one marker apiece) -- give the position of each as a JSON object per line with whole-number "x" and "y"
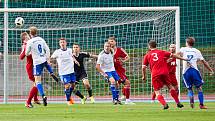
{"x": 157, "y": 61}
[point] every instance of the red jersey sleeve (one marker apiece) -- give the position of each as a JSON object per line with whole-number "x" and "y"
{"x": 145, "y": 60}
{"x": 22, "y": 54}
{"x": 167, "y": 54}
{"x": 123, "y": 53}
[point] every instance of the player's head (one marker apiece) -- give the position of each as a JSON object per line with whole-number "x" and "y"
{"x": 25, "y": 37}
{"x": 62, "y": 43}
{"x": 172, "y": 48}
{"x": 190, "y": 41}
{"x": 152, "y": 44}
{"x": 76, "y": 48}
{"x": 107, "y": 47}
{"x": 33, "y": 31}
{"x": 112, "y": 41}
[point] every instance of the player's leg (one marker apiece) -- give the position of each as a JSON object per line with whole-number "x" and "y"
{"x": 153, "y": 96}
{"x": 172, "y": 90}
{"x": 89, "y": 89}
{"x": 198, "y": 82}
{"x": 187, "y": 80}
{"x": 66, "y": 79}
{"x": 50, "y": 70}
{"x": 127, "y": 86}
{"x": 37, "y": 75}
{"x": 157, "y": 84}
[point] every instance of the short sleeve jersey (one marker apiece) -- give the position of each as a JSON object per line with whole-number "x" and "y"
{"x": 119, "y": 53}
{"x": 193, "y": 55}
{"x": 64, "y": 60}
{"x": 106, "y": 61}
{"x": 156, "y": 59}
{"x": 80, "y": 59}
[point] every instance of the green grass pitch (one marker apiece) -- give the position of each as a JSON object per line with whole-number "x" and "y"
{"x": 106, "y": 112}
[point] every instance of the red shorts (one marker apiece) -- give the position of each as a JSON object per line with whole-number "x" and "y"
{"x": 121, "y": 72}
{"x": 159, "y": 81}
{"x": 173, "y": 79}
{"x": 29, "y": 70}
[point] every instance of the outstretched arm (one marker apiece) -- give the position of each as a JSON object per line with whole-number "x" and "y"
{"x": 207, "y": 66}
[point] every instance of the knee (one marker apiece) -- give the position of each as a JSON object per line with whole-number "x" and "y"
{"x": 127, "y": 83}
{"x": 199, "y": 89}
{"x": 67, "y": 86}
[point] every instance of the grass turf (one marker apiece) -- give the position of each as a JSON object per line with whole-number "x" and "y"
{"x": 106, "y": 112}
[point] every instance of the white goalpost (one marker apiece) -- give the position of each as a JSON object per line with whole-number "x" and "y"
{"x": 90, "y": 27}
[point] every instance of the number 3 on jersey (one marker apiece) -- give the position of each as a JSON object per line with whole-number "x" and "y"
{"x": 155, "y": 56}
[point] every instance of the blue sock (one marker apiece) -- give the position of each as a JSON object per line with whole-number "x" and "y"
{"x": 40, "y": 89}
{"x": 68, "y": 94}
{"x": 190, "y": 95}
{"x": 113, "y": 90}
{"x": 117, "y": 94}
{"x": 201, "y": 98}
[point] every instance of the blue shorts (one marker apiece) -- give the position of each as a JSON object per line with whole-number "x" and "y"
{"x": 192, "y": 77}
{"x": 113, "y": 74}
{"x": 69, "y": 78}
{"x": 38, "y": 69}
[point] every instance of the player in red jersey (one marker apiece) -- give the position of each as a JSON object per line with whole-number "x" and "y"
{"x": 29, "y": 68}
{"x": 171, "y": 63}
{"x": 159, "y": 72}
{"x": 121, "y": 56}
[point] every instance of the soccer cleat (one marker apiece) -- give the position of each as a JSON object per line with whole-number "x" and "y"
{"x": 115, "y": 102}
{"x": 119, "y": 102}
{"x": 83, "y": 101}
{"x": 44, "y": 100}
{"x": 129, "y": 102}
{"x": 192, "y": 105}
{"x": 166, "y": 107}
{"x": 29, "y": 105}
{"x": 179, "y": 105}
{"x": 71, "y": 102}
{"x": 37, "y": 102}
{"x": 202, "y": 107}
{"x": 92, "y": 100}
{"x": 123, "y": 98}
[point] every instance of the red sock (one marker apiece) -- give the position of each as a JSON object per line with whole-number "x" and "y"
{"x": 161, "y": 99}
{"x": 35, "y": 94}
{"x": 127, "y": 92}
{"x": 31, "y": 95}
{"x": 174, "y": 95}
{"x": 153, "y": 95}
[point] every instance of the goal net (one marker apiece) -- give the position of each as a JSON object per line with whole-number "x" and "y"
{"x": 90, "y": 27}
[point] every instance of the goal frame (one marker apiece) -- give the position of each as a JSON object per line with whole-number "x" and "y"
{"x": 7, "y": 10}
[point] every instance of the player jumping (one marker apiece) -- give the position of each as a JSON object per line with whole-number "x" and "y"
{"x": 159, "y": 71}
{"x": 191, "y": 74}
{"x": 121, "y": 56}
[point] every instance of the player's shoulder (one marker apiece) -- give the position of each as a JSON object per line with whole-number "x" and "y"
{"x": 102, "y": 52}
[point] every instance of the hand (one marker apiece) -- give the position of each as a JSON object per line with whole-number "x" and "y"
{"x": 76, "y": 62}
{"x": 211, "y": 73}
{"x": 144, "y": 79}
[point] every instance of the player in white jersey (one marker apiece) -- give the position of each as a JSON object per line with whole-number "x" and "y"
{"x": 191, "y": 74}
{"x": 105, "y": 65}
{"x": 65, "y": 60}
{"x": 40, "y": 52}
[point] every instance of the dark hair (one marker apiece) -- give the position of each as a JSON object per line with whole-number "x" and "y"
{"x": 152, "y": 43}
{"x": 190, "y": 41}
{"x": 76, "y": 44}
{"x": 112, "y": 38}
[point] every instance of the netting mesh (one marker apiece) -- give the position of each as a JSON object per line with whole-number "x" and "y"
{"x": 91, "y": 29}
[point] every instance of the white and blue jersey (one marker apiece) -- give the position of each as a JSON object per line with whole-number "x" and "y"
{"x": 191, "y": 73}
{"x": 107, "y": 65}
{"x": 65, "y": 65}
{"x": 40, "y": 53}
